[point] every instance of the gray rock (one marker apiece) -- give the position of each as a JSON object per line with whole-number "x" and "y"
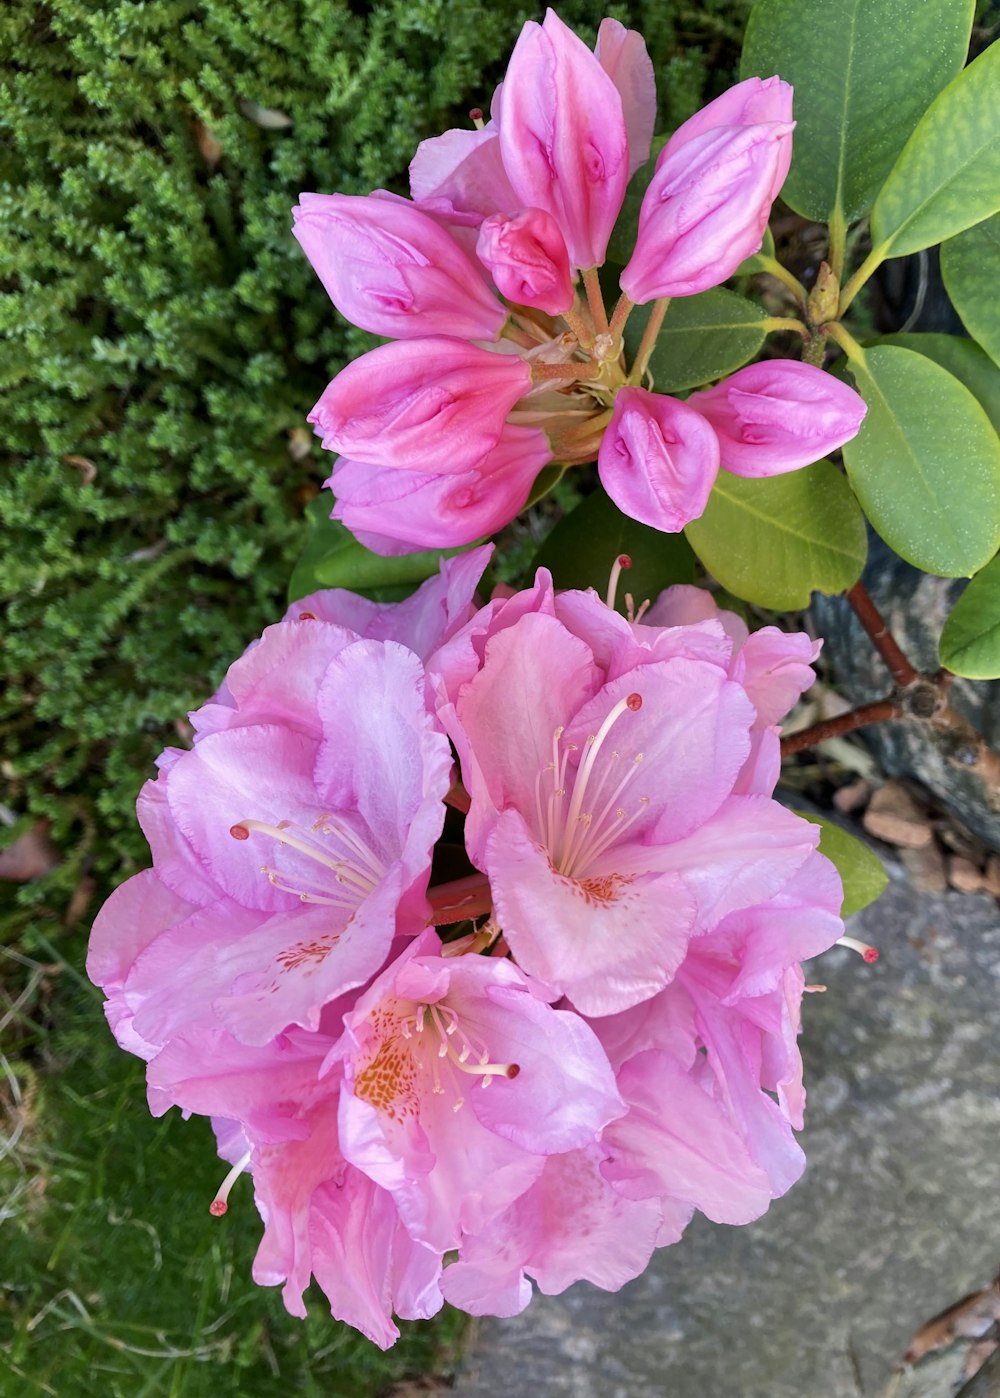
{"x": 915, "y": 606}
{"x": 895, "y": 1218}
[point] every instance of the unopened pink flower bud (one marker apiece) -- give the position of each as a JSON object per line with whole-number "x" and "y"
{"x": 435, "y": 405}
{"x": 749, "y": 103}
{"x": 622, "y": 54}
{"x": 658, "y": 459}
{"x": 393, "y": 512}
{"x": 460, "y": 176}
{"x": 563, "y": 137}
{"x": 707, "y": 205}
{"x": 778, "y": 415}
{"x": 392, "y": 269}
{"x": 527, "y": 260}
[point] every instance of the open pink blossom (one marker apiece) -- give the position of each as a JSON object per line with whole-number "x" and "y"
{"x": 719, "y": 1046}
{"x": 657, "y": 461}
{"x": 391, "y": 269}
{"x": 778, "y": 416}
{"x": 459, "y": 1081}
{"x": 605, "y": 810}
{"x": 571, "y": 1225}
{"x": 430, "y": 405}
{"x": 296, "y": 839}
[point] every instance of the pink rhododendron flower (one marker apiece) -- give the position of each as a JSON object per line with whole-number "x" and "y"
{"x": 422, "y": 1046}
{"x": 658, "y": 459}
{"x": 529, "y": 200}
{"x": 778, "y": 416}
{"x": 602, "y": 769}
{"x": 395, "y": 1098}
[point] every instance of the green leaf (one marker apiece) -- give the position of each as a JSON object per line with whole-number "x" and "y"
{"x": 776, "y": 541}
{"x": 863, "y": 873}
{"x": 703, "y": 338}
{"x": 969, "y": 363}
{"x": 970, "y": 641}
{"x": 583, "y": 546}
{"x": 926, "y": 463}
{"x": 863, "y": 72}
{"x": 333, "y": 557}
{"x": 970, "y": 264}
{"x": 948, "y": 176}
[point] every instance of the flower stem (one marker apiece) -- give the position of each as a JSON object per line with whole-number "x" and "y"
{"x": 774, "y": 269}
{"x": 621, "y": 314}
{"x": 874, "y": 259}
{"x": 595, "y": 300}
{"x": 774, "y": 323}
{"x": 579, "y": 327}
{"x": 648, "y": 340}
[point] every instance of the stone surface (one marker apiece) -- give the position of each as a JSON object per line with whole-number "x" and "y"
{"x": 895, "y": 1219}
{"x": 916, "y": 606}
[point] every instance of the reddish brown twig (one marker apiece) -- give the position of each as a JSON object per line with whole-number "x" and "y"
{"x": 843, "y": 723}
{"x": 882, "y": 638}
{"x": 460, "y": 899}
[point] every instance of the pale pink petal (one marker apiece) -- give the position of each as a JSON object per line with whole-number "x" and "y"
{"x": 676, "y": 1142}
{"x": 460, "y": 175}
{"x": 606, "y": 942}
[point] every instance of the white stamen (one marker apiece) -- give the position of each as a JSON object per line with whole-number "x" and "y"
{"x": 622, "y": 561}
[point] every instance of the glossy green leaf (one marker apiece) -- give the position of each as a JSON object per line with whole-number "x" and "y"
{"x": 583, "y": 546}
{"x": 776, "y": 541}
{"x": 863, "y": 73}
{"x": 332, "y": 557}
{"x": 970, "y": 265}
{"x": 926, "y": 463}
{"x": 970, "y": 641}
{"x": 703, "y": 338}
{"x": 963, "y": 358}
{"x": 948, "y": 175}
{"x": 862, "y": 872}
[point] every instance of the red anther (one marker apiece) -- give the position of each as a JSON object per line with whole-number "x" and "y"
{"x": 513, "y": 1069}
{"x": 476, "y": 114}
{"x": 306, "y": 616}
{"x": 239, "y": 832}
{"x": 218, "y": 1207}
{"x": 870, "y": 955}
{"x": 634, "y": 701}
{"x": 624, "y": 561}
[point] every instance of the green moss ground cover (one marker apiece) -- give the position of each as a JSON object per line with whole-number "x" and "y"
{"x": 162, "y": 342}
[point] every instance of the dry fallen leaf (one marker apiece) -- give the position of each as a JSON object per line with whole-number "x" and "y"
{"x": 87, "y": 469}
{"x": 29, "y": 857}
{"x": 894, "y": 816}
{"x": 968, "y": 1319}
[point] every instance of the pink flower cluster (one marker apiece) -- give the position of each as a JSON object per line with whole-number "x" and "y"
{"x": 536, "y": 1058}
{"x": 503, "y": 357}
